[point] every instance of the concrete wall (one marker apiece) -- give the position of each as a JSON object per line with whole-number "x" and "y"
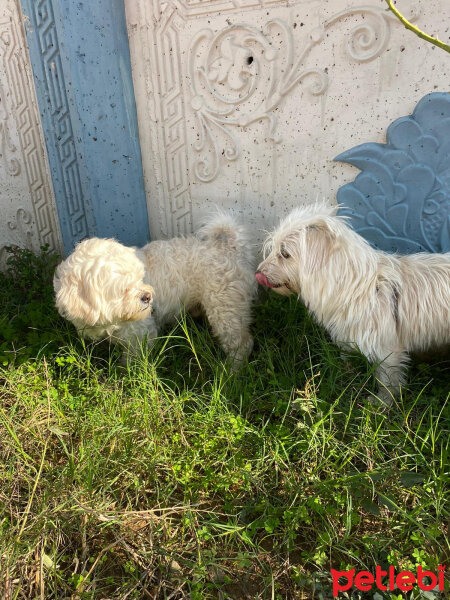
{"x": 241, "y": 104}
{"x": 27, "y": 204}
{"x": 245, "y": 103}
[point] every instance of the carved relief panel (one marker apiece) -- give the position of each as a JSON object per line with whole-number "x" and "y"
{"x": 27, "y": 208}
{"x": 245, "y": 103}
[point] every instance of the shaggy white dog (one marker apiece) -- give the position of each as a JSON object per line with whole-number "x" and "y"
{"x": 108, "y": 290}
{"x": 386, "y": 305}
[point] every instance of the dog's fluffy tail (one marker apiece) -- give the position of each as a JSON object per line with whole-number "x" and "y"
{"x": 224, "y": 232}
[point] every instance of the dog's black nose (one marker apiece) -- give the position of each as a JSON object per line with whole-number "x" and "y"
{"x": 145, "y": 298}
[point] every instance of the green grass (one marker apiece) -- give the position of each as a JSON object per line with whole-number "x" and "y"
{"x": 175, "y": 478}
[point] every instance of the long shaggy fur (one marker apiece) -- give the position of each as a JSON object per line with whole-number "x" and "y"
{"x": 386, "y": 305}
{"x": 108, "y": 290}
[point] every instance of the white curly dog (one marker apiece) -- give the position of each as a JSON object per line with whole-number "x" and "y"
{"x": 386, "y": 305}
{"x": 108, "y": 290}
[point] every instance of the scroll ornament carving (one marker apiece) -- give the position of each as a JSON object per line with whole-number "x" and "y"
{"x": 240, "y": 75}
{"x": 20, "y": 233}
{"x": 21, "y": 226}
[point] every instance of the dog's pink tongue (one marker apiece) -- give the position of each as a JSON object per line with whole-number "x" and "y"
{"x": 262, "y": 279}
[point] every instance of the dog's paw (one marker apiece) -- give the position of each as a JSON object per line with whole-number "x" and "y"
{"x": 382, "y": 399}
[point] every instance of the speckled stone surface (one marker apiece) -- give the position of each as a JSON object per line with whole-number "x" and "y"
{"x": 245, "y": 104}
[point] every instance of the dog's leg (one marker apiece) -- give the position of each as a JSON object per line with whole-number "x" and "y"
{"x": 132, "y": 335}
{"x": 391, "y": 375}
{"x": 235, "y": 339}
{"x": 240, "y": 351}
{"x": 231, "y": 328}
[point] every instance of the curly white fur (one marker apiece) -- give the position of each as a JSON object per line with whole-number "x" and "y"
{"x": 108, "y": 290}
{"x": 386, "y": 305}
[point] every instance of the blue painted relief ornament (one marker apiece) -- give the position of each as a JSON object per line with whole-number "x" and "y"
{"x": 400, "y": 202}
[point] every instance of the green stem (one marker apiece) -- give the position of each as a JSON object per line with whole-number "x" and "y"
{"x": 416, "y": 30}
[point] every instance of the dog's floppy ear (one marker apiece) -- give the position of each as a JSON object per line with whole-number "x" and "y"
{"x": 75, "y": 299}
{"x": 320, "y": 244}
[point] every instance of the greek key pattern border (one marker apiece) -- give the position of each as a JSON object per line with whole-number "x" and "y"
{"x": 60, "y": 136}
{"x": 23, "y": 108}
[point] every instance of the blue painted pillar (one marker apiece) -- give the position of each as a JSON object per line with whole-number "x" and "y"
{"x": 81, "y": 64}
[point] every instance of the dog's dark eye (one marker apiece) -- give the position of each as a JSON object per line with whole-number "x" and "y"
{"x": 145, "y": 298}
{"x": 285, "y": 254}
